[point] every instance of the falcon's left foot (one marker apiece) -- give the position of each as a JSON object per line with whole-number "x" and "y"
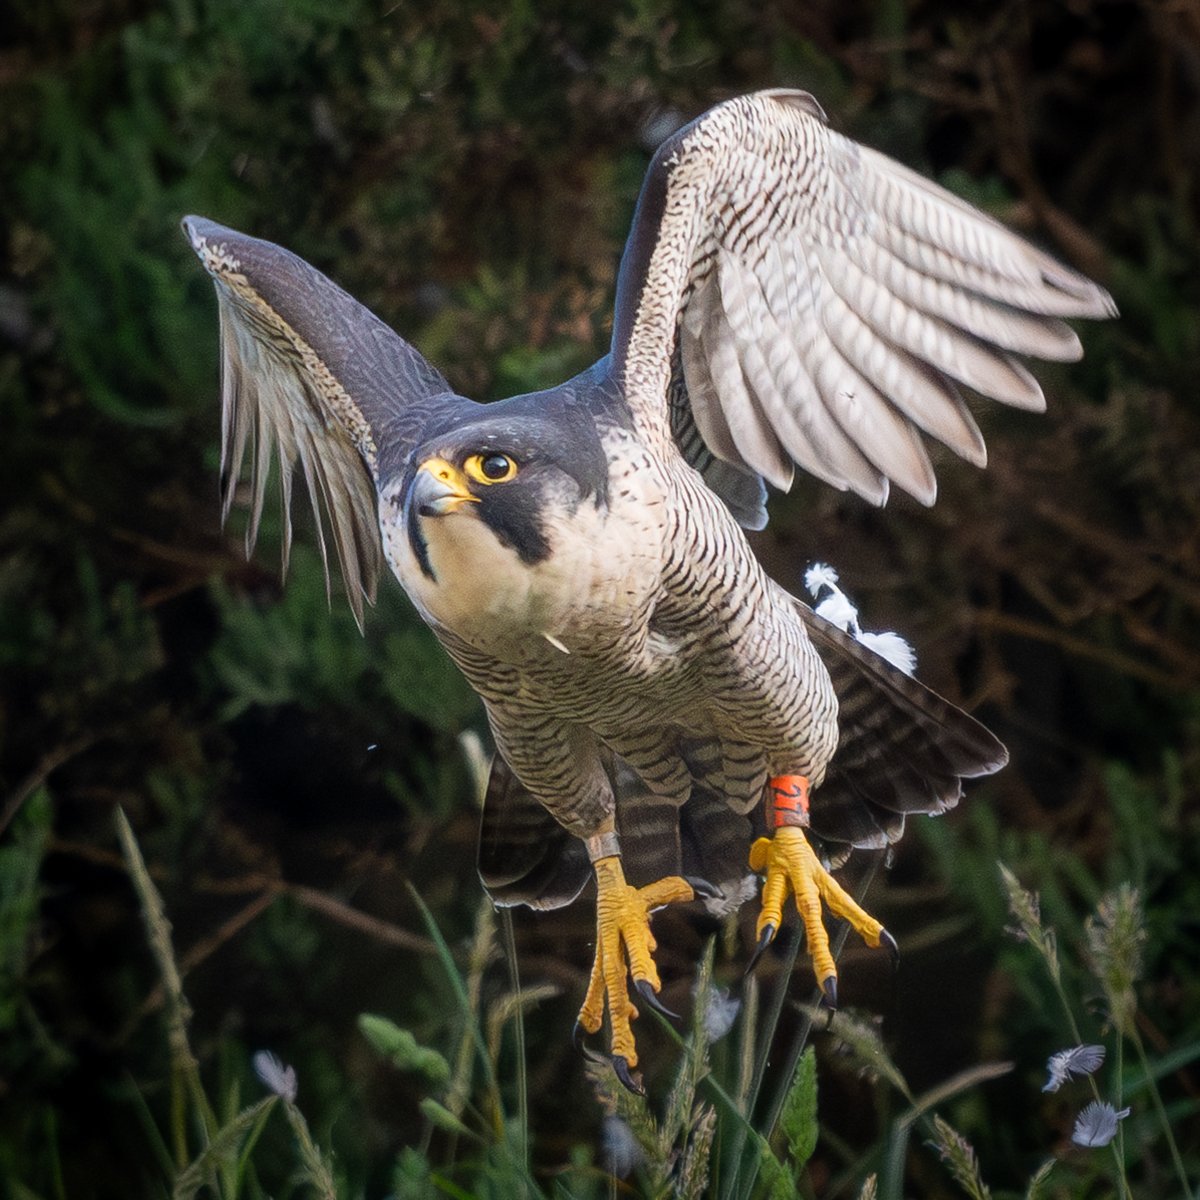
{"x": 623, "y": 930}
{"x": 791, "y": 866}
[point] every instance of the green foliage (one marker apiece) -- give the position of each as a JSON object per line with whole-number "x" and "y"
{"x": 413, "y": 1176}
{"x": 229, "y": 1145}
{"x": 403, "y": 1049}
{"x": 442, "y": 1118}
{"x": 959, "y": 1157}
{"x": 222, "y": 1163}
{"x": 1115, "y": 940}
{"x": 305, "y": 651}
{"x": 1116, "y": 936}
{"x": 468, "y": 1104}
{"x": 1037, "y": 1185}
{"x": 20, "y": 868}
{"x": 798, "y": 1120}
{"x": 469, "y": 173}
{"x": 674, "y": 1149}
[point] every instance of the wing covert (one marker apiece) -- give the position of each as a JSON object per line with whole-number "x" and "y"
{"x": 827, "y": 302}
{"x": 312, "y": 377}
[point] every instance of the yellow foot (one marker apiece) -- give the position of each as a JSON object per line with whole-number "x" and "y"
{"x": 623, "y": 920}
{"x": 792, "y": 866}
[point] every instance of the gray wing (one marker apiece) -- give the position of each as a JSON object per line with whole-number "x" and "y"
{"x": 824, "y": 303}
{"x": 311, "y": 374}
{"x": 901, "y": 749}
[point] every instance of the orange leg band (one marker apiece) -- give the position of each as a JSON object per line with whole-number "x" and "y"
{"x": 787, "y": 801}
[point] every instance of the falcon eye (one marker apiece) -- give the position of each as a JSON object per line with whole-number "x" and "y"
{"x": 490, "y": 468}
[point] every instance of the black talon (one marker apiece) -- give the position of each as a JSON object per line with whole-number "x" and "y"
{"x": 702, "y": 888}
{"x": 577, "y": 1036}
{"x": 829, "y": 994}
{"x": 889, "y": 943}
{"x": 765, "y": 939}
{"x": 621, "y": 1067}
{"x": 646, "y": 992}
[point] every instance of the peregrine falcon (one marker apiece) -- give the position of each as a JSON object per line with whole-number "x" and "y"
{"x": 664, "y": 713}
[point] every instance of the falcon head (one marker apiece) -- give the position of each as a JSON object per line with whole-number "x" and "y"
{"x": 491, "y": 510}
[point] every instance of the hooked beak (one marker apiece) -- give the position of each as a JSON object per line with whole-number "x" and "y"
{"x": 440, "y": 488}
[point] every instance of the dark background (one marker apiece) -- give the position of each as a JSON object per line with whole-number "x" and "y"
{"x": 468, "y": 171}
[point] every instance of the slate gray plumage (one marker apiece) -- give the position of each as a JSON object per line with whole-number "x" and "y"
{"x": 786, "y": 296}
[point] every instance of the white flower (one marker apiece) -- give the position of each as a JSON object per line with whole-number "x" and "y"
{"x": 720, "y": 1013}
{"x": 1067, "y": 1064}
{"x": 1097, "y": 1124}
{"x": 619, "y": 1148}
{"x": 278, "y": 1078}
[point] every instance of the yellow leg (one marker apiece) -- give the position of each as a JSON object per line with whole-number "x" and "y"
{"x": 623, "y": 933}
{"x": 791, "y": 866}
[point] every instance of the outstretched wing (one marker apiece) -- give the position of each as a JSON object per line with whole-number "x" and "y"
{"x": 823, "y": 302}
{"x": 309, "y": 371}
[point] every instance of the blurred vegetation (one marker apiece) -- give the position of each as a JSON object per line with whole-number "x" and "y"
{"x": 468, "y": 171}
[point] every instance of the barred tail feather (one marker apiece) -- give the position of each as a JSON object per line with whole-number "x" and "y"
{"x": 526, "y": 857}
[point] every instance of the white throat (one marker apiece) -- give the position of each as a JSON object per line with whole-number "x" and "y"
{"x": 596, "y": 578}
